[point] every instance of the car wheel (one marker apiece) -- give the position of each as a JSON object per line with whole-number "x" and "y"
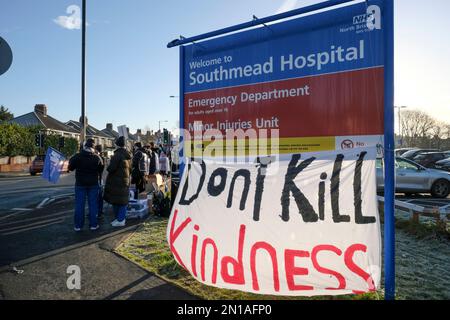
{"x": 33, "y": 173}
{"x": 440, "y": 188}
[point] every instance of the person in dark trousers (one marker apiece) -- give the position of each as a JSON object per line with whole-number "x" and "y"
{"x": 155, "y": 151}
{"x": 87, "y": 166}
{"x": 117, "y": 186}
{"x": 139, "y": 170}
{"x": 99, "y": 150}
{"x": 152, "y": 158}
{"x": 164, "y": 164}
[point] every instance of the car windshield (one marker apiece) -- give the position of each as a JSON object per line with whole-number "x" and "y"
{"x": 403, "y": 164}
{"x": 410, "y": 153}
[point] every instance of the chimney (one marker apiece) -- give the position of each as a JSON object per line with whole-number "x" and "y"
{"x": 81, "y": 120}
{"x": 41, "y": 108}
{"x": 109, "y": 126}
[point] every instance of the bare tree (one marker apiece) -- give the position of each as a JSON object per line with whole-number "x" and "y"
{"x": 417, "y": 128}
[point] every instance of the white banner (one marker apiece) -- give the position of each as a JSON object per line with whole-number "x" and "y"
{"x": 304, "y": 225}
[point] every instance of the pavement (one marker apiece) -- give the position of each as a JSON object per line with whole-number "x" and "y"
{"x": 38, "y": 244}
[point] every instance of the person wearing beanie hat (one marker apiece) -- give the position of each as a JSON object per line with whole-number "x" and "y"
{"x": 120, "y": 142}
{"x": 90, "y": 143}
{"x": 117, "y": 186}
{"x": 87, "y": 166}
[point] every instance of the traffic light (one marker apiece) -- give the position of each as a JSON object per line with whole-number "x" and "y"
{"x": 166, "y": 136}
{"x": 39, "y": 139}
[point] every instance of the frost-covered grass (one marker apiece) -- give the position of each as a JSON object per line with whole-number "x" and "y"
{"x": 148, "y": 248}
{"x": 422, "y": 263}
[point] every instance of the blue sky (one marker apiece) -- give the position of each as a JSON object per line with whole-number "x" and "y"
{"x": 131, "y": 73}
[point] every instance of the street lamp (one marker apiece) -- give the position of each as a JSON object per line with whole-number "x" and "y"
{"x": 400, "y": 122}
{"x": 159, "y": 124}
{"x": 83, "y": 72}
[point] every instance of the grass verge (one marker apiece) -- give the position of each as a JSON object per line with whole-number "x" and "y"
{"x": 148, "y": 248}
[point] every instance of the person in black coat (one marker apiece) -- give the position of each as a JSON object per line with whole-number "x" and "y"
{"x": 87, "y": 166}
{"x": 99, "y": 150}
{"x": 139, "y": 169}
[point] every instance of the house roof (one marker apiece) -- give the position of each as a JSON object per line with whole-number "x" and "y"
{"x": 110, "y": 133}
{"x": 90, "y": 130}
{"x": 39, "y": 119}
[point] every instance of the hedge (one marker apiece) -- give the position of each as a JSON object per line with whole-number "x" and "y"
{"x": 16, "y": 140}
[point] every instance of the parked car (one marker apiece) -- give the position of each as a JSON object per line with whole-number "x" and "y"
{"x": 37, "y": 165}
{"x": 412, "y": 153}
{"x": 429, "y": 159}
{"x": 399, "y": 152}
{"x": 443, "y": 165}
{"x": 413, "y": 178}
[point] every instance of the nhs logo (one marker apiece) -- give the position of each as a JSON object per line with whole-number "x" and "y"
{"x": 372, "y": 18}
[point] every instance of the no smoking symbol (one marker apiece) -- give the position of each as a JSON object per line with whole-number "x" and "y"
{"x": 347, "y": 144}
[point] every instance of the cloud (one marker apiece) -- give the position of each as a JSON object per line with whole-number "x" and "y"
{"x": 72, "y": 21}
{"x": 287, "y": 6}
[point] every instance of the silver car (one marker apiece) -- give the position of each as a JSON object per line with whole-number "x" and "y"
{"x": 413, "y": 178}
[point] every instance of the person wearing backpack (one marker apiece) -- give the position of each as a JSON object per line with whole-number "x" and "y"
{"x": 139, "y": 169}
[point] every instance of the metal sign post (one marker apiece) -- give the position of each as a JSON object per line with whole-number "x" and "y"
{"x": 389, "y": 159}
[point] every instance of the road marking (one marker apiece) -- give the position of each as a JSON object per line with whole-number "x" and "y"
{"x": 21, "y": 209}
{"x": 31, "y": 224}
{"x": 36, "y": 218}
{"x": 43, "y": 202}
{"x": 63, "y": 195}
{"x": 28, "y": 229}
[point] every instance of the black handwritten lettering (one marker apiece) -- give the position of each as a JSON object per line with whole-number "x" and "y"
{"x": 183, "y": 200}
{"x": 337, "y": 217}
{"x": 213, "y": 189}
{"x": 357, "y": 193}
{"x": 304, "y": 207}
{"x": 246, "y": 175}
{"x": 323, "y": 176}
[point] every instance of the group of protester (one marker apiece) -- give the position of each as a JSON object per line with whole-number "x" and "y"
{"x": 123, "y": 169}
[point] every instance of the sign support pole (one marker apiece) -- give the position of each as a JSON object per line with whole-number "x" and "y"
{"x": 181, "y": 152}
{"x": 389, "y": 159}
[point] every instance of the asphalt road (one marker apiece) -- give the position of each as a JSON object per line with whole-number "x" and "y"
{"x": 38, "y": 245}
{"x": 28, "y": 191}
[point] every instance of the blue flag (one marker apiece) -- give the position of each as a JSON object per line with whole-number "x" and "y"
{"x": 53, "y": 164}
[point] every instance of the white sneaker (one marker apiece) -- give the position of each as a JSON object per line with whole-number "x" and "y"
{"x": 94, "y": 228}
{"x": 77, "y": 229}
{"x": 116, "y": 223}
